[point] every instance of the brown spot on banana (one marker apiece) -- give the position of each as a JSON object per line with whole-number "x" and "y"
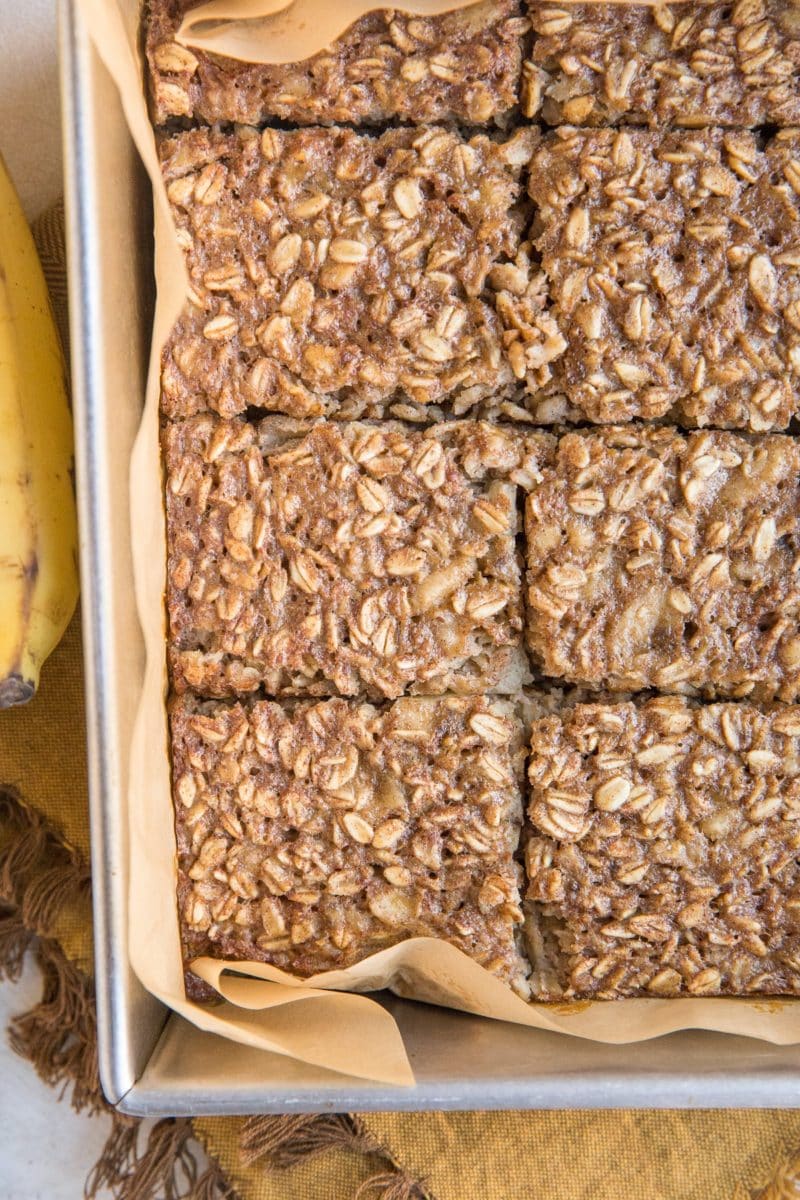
{"x": 16, "y": 690}
{"x": 19, "y": 685}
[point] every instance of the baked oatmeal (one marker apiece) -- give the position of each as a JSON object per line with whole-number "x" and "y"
{"x": 340, "y": 273}
{"x": 462, "y": 66}
{"x": 344, "y": 558}
{"x": 662, "y": 560}
{"x": 662, "y": 855}
{"x": 689, "y": 64}
{"x": 312, "y": 836}
{"x": 661, "y": 280}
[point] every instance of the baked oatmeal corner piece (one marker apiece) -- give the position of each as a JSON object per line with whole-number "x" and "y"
{"x": 343, "y": 558}
{"x": 662, "y": 560}
{"x": 661, "y": 281}
{"x": 693, "y": 64}
{"x": 339, "y": 273}
{"x": 315, "y": 835}
{"x": 662, "y": 851}
{"x": 461, "y": 66}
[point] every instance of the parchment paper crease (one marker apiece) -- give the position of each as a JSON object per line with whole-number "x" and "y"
{"x": 319, "y": 1020}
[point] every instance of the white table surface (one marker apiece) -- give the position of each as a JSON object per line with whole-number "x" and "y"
{"x": 46, "y": 1150}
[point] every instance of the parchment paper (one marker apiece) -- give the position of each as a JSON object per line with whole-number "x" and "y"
{"x": 319, "y": 1020}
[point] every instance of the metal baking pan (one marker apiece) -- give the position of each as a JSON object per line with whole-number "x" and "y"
{"x": 152, "y": 1062}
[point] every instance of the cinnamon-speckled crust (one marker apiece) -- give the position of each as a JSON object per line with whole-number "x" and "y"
{"x": 669, "y": 561}
{"x": 197, "y": 989}
{"x": 662, "y": 853}
{"x": 661, "y": 280}
{"x": 691, "y": 64}
{"x": 344, "y": 558}
{"x": 310, "y": 837}
{"x": 337, "y": 273}
{"x": 462, "y": 66}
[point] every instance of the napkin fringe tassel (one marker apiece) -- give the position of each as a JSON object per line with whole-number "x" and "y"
{"x": 285, "y": 1141}
{"x": 159, "y": 1165}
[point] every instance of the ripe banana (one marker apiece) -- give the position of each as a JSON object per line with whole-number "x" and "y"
{"x": 38, "y": 529}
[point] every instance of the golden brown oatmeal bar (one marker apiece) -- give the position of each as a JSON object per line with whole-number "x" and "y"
{"x": 688, "y": 64}
{"x": 344, "y": 558}
{"x": 663, "y": 851}
{"x": 313, "y": 836}
{"x": 339, "y": 273}
{"x": 657, "y": 560}
{"x": 662, "y": 279}
{"x": 463, "y": 66}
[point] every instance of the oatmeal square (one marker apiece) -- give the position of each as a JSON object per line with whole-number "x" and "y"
{"x": 658, "y": 560}
{"x": 338, "y": 273}
{"x": 661, "y": 281}
{"x": 312, "y": 836}
{"x": 345, "y": 558}
{"x": 662, "y": 852}
{"x": 689, "y": 64}
{"x": 462, "y": 66}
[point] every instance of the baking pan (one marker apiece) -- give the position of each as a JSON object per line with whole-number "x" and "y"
{"x": 151, "y": 1061}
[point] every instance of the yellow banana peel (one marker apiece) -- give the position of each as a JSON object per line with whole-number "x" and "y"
{"x": 38, "y": 527}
